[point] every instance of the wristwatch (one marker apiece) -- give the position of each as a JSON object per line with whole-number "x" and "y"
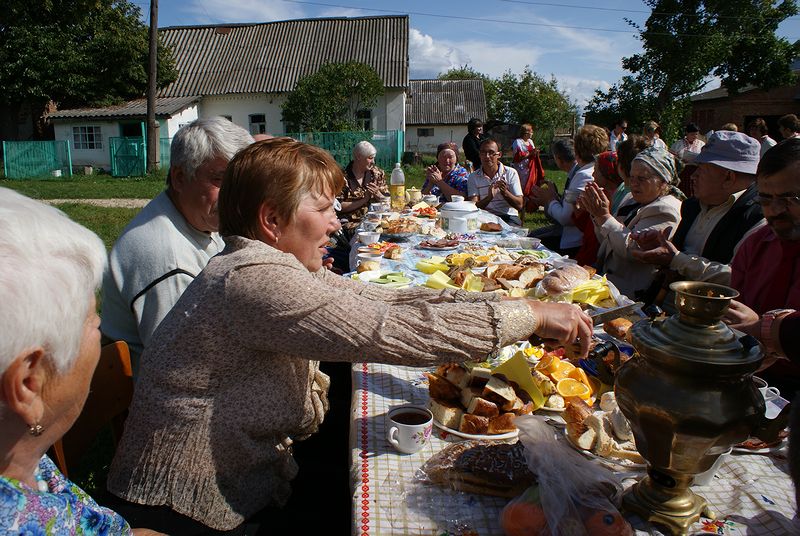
{"x": 768, "y": 319}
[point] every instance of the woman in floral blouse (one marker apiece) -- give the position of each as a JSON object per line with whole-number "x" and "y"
{"x": 365, "y": 183}
{"x": 49, "y": 348}
{"x": 446, "y": 177}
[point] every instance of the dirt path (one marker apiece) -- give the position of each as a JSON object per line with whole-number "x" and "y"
{"x": 124, "y": 203}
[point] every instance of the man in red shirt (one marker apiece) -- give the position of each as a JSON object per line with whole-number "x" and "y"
{"x": 766, "y": 269}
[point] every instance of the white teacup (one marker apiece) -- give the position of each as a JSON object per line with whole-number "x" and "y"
{"x": 705, "y": 478}
{"x": 456, "y": 198}
{"x": 431, "y": 200}
{"x": 769, "y": 393}
{"x": 408, "y": 428}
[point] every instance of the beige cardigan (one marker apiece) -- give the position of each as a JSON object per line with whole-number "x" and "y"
{"x": 232, "y": 375}
{"x": 627, "y": 273}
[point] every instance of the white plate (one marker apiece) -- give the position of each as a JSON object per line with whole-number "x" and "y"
{"x": 490, "y": 232}
{"x": 507, "y": 435}
{"x": 612, "y": 463}
{"x": 430, "y": 248}
{"x": 370, "y": 275}
{"x": 767, "y": 450}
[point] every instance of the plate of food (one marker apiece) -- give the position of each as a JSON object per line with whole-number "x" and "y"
{"x": 491, "y": 228}
{"x": 439, "y": 245}
{"x": 397, "y": 236}
{"x": 386, "y": 279}
{"x": 604, "y": 435}
{"x": 753, "y": 445}
{"x": 491, "y": 437}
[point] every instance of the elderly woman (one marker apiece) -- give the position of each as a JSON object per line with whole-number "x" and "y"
{"x": 606, "y": 177}
{"x": 622, "y": 203}
{"x": 364, "y": 183}
{"x": 652, "y": 176}
{"x": 446, "y": 177}
{"x": 232, "y": 378}
{"x": 49, "y": 348}
{"x": 523, "y": 150}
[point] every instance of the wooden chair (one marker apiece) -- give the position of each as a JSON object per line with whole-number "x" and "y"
{"x": 110, "y": 395}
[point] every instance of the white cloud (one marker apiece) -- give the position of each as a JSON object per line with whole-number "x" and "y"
{"x": 226, "y": 11}
{"x": 429, "y": 56}
{"x": 581, "y": 90}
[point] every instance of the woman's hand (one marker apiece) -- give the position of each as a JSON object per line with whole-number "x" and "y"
{"x": 595, "y": 202}
{"x": 741, "y": 317}
{"x": 374, "y": 192}
{"x": 563, "y": 322}
{"x": 433, "y": 174}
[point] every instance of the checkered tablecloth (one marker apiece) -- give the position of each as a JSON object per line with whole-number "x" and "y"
{"x": 751, "y": 494}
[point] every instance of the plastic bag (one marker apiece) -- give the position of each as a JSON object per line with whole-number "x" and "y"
{"x": 574, "y": 497}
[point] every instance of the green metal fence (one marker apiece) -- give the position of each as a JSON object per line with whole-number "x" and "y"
{"x": 129, "y": 155}
{"x": 389, "y": 144}
{"x": 26, "y": 159}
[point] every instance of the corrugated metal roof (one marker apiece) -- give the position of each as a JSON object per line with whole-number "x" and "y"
{"x": 444, "y": 102}
{"x": 271, "y": 57}
{"x": 165, "y": 107}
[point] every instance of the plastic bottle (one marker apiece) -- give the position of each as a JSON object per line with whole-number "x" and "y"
{"x": 397, "y": 188}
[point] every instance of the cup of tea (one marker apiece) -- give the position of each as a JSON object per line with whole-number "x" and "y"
{"x": 408, "y": 428}
{"x": 769, "y": 393}
{"x": 456, "y": 198}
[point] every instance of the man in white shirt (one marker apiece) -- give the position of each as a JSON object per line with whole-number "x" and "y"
{"x": 495, "y": 187}
{"x": 617, "y": 135}
{"x": 758, "y": 130}
{"x": 717, "y": 219}
{"x": 172, "y": 239}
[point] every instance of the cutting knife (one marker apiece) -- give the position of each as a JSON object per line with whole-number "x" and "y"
{"x": 611, "y": 314}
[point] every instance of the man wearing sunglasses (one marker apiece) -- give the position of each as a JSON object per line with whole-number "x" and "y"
{"x": 617, "y": 135}
{"x": 766, "y": 269}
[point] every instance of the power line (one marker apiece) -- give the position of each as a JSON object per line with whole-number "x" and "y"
{"x": 619, "y": 10}
{"x": 484, "y": 20}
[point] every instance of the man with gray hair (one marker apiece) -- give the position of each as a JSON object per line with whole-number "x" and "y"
{"x": 172, "y": 239}
{"x": 723, "y": 211}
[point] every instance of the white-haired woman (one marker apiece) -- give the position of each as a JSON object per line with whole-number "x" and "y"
{"x": 652, "y": 178}
{"x": 49, "y": 348}
{"x": 231, "y": 382}
{"x": 364, "y": 183}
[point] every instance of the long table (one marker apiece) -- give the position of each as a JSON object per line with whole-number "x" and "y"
{"x": 751, "y": 494}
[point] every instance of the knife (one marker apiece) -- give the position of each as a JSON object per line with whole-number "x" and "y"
{"x": 611, "y": 314}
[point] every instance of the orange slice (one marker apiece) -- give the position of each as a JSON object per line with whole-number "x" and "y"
{"x": 579, "y": 374}
{"x": 547, "y": 364}
{"x": 570, "y": 387}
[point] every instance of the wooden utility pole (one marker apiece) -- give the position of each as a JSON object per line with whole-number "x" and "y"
{"x": 153, "y": 157}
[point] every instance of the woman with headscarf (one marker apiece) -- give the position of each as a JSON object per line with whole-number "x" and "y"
{"x": 446, "y": 177}
{"x": 605, "y": 175}
{"x": 652, "y": 179}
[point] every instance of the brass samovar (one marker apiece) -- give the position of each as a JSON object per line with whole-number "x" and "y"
{"x": 688, "y": 394}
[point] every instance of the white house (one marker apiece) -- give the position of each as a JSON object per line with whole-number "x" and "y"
{"x": 244, "y": 72}
{"x": 438, "y": 111}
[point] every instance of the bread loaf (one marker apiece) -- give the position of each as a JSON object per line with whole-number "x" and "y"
{"x": 564, "y": 279}
{"x": 474, "y": 424}
{"x": 447, "y": 414}
{"x": 618, "y": 328}
{"x": 441, "y": 389}
{"x": 484, "y": 408}
{"x": 502, "y": 424}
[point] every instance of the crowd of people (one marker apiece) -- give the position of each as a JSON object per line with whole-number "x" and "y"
{"x": 221, "y": 289}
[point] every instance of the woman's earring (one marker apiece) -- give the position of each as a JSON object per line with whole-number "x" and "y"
{"x": 36, "y": 430}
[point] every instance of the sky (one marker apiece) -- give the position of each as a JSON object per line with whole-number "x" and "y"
{"x": 579, "y": 42}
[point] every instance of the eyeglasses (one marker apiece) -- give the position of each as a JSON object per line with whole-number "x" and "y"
{"x": 489, "y": 153}
{"x": 783, "y": 201}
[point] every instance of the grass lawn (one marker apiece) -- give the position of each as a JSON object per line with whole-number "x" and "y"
{"x": 89, "y": 187}
{"x": 107, "y": 222}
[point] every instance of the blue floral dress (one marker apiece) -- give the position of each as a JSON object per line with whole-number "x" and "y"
{"x": 63, "y": 509}
{"x": 457, "y": 178}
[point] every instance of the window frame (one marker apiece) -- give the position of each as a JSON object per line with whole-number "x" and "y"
{"x": 87, "y": 137}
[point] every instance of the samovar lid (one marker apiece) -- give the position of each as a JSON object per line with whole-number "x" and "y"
{"x": 697, "y": 334}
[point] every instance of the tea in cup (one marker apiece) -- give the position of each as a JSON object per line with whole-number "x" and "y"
{"x": 409, "y": 427}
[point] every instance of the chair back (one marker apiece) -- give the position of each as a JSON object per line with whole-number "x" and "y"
{"x": 110, "y": 395}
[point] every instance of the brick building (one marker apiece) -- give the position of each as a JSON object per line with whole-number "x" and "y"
{"x": 712, "y": 109}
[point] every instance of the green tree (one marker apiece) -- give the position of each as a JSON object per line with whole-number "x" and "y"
{"x": 74, "y": 53}
{"x": 522, "y": 98}
{"x": 330, "y": 99}
{"x": 687, "y": 41}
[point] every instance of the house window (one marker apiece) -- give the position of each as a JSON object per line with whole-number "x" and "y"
{"x": 87, "y": 138}
{"x": 258, "y": 124}
{"x": 425, "y": 132}
{"x": 364, "y": 119}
